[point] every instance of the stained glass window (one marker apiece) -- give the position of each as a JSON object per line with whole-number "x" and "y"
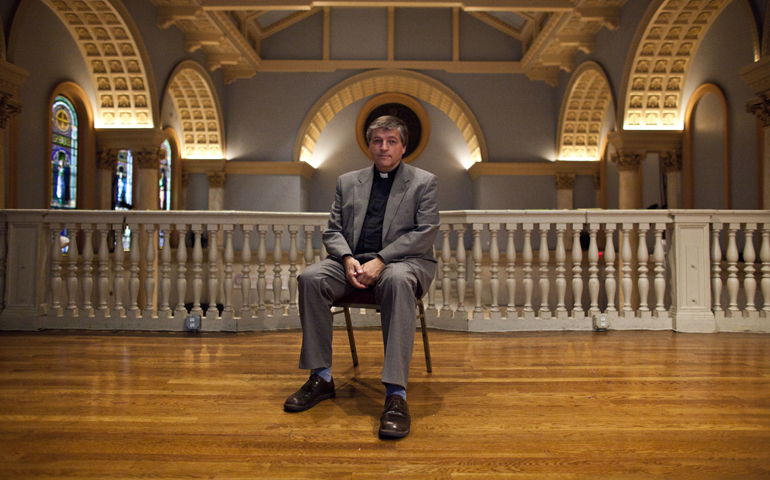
{"x": 123, "y": 198}
{"x": 164, "y": 178}
{"x": 64, "y": 154}
{"x": 124, "y": 181}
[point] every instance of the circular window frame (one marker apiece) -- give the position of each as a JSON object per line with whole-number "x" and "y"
{"x": 404, "y": 100}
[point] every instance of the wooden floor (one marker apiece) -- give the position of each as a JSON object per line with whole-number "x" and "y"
{"x": 514, "y": 405}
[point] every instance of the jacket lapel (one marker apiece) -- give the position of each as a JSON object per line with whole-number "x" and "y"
{"x": 397, "y": 192}
{"x": 361, "y": 202}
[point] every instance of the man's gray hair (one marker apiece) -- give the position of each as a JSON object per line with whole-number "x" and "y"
{"x": 388, "y": 122}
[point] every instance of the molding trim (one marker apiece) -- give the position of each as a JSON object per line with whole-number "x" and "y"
{"x": 233, "y": 167}
{"x": 513, "y": 169}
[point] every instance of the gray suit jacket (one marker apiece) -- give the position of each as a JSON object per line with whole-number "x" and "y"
{"x": 410, "y": 224}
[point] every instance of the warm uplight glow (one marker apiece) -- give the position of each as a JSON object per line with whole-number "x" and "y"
{"x": 577, "y": 159}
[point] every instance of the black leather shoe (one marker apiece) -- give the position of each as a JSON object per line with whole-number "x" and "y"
{"x": 313, "y": 391}
{"x": 395, "y": 420}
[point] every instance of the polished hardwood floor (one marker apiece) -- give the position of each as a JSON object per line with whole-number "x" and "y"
{"x": 536, "y": 405}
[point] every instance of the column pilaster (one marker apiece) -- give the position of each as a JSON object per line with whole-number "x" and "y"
{"x": 216, "y": 190}
{"x": 672, "y": 166}
{"x": 628, "y": 164}
{"x": 565, "y": 184}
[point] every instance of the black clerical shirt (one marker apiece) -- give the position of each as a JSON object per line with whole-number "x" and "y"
{"x": 370, "y": 240}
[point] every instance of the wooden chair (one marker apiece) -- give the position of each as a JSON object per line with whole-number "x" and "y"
{"x": 365, "y": 299}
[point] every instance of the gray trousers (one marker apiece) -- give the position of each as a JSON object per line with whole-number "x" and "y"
{"x": 395, "y": 290}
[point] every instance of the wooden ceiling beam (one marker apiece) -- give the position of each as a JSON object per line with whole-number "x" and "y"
{"x": 467, "y": 5}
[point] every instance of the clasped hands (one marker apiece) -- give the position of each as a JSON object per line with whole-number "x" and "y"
{"x": 362, "y": 276}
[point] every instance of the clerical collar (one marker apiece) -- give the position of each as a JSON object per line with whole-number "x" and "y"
{"x": 391, "y": 173}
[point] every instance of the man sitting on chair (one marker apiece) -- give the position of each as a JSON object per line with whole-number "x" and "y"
{"x": 380, "y": 235}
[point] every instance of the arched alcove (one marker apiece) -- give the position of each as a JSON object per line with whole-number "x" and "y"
{"x": 117, "y": 61}
{"x": 706, "y": 139}
{"x": 583, "y": 113}
{"x": 660, "y": 58}
{"x": 375, "y": 82}
{"x": 198, "y": 114}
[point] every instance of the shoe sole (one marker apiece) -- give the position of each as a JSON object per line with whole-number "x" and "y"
{"x": 392, "y": 435}
{"x": 295, "y": 408}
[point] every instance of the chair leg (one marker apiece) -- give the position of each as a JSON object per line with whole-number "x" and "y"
{"x": 426, "y": 345}
{"x": 351, "y": 338}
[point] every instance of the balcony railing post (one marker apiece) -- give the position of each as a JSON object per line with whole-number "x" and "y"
{"x": 197, "y": 258}
{"x": 577, "y": 272}
{"x": 716, "y": 269}
{"x": 246, "y": 312}
{"x": 460, "y": 255}
{"x": 446, "y": 268}
{"x": 494, "y": 259}
{"x": 690, "y": 272}
{"x": 117, "y": 270}
{"x": 478, "y": 310}
{"x": 149, "y": 280}
{"x": 103, "y": 281}
{"x": 561, "y": 281}
{"x": 72, "y": 269}
{"x": 165, "y": 270}
{"x": 293, "y": 231}
{"x": 749, "y": 255}
{"x": 643, "y": 257}
{"x": 593, "y": 268}
{"x": 55, "y": 309}
{"x": 526, "y": 256}
{"x": 229, "y": 256}
{"x": 510, "y": 258}
{"x": 181, "y": 270}
{"x": 544, "y": 258}
{"x": 213, "y": 271}
{"x": 732, "y": 268}
{"x": 88, "y": 267}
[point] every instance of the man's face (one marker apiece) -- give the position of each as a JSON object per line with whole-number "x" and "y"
{"x": 386, "y": 149}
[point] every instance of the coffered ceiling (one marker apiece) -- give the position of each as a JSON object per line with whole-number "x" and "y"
{"x": 231, "y": 33}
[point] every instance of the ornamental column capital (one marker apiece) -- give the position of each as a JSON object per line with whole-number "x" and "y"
{"x": 216, "y": 179}
{"x": 147, "y": 158}
{"x": 672, "y": 161}
{"x": 760, "y": 106}
{"x": 627, "y": 161}
{"x": 565, "y": 181}
{"x": 8, "y": 107}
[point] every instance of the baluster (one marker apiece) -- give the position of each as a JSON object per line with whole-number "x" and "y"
{"x": 659, "y": 255}
{"x": 56, "y": 280}
{"x": 103, "y": 281}
{"x": 261, "y": 269}
{"x": 181, "y": 269}
{"x": 213, "y": 282}
{"x": 460, "y": 229}
{"x": 228, "y": 282}
{"x": 133, "y": 281}
{"x": 149, "y": 258}
{"x": 732, "y": 267}
{"x": 749, "y": 255}
{"x": 446, "y": 268}
{"x": 593, "y": 267}
{"x": 627, "y": 284}
{"x": 561, "y": 258}
{"x": 494, "y": 258}
{"x": 309, "y": 254}
{"x": 432, "y": 289}
{"x": 526, "y": 256}
{"x": 643, "y": 256}
{"x": 246, "y": 271}
{"x": 197, "y": 257}
{"x": 293, "y": 230}
{"x": 543, "y": 258}
{"x": 510, "y": 257}
{"x": 477, "y": 259}
{"x": 277, "y": 282}
{"x": 764, "y": 255}
{"x": 72, "y": 269}
{"x": 577, "y": 271}
{"x": 716, "y": 269}
{"x": 117, "y": 270}
{"x": 88, "y": 267}
{"x": 165, "y": 269}
{"x": 609, "y": 269}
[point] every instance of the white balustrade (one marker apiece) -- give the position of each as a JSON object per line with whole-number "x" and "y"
{"x": 95, "y": 277}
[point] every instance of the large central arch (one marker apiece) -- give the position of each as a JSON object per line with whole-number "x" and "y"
{"x": 375, "y": 82}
